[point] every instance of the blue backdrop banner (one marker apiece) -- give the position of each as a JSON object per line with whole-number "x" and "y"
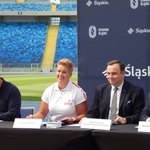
{"x": 113, "y": 29}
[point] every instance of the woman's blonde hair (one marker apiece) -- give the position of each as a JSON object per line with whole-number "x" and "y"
{"x": 67, "y": 63}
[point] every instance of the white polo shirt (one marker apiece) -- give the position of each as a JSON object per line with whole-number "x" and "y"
{"x": 62, "y": 103}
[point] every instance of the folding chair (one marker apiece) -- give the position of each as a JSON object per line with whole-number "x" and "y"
{"x": 25, "y": 111}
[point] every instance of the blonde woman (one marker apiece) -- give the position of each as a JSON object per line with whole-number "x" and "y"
{"x": 64, "y": 100}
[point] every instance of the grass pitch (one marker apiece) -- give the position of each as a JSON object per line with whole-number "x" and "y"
{"x": 32, "y": 86}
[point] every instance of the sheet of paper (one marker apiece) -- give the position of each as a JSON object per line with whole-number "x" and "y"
{"x": 76, "y": 124}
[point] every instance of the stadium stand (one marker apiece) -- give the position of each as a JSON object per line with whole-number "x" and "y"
{"x": 67, "y": 42}
{"x": 66, "y": 7}
{"x": 25, "y": 7}
{"x": 25, "y": 42}
{"x": 22, "y": 42}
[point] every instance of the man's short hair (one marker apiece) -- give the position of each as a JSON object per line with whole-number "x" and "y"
{"x": 122, "y": 67}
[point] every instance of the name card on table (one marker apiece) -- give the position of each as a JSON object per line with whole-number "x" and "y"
{"x": 27, "y": 123}
{"x": 144, "y": 126}
{"x": 103, "y": 124}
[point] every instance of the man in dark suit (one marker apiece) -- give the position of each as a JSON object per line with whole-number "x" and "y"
{"x": 10, "y": 101}
{"x": 130, "y": 98}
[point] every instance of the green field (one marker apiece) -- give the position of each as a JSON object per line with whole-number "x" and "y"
{"x": 32, "y": 86}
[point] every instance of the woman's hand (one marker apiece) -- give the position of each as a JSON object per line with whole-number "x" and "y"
{"x": 30, "y": 116}
{"x": 69, "y": 121}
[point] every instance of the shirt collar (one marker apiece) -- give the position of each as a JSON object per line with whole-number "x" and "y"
{"x": 119, "y": 87}
{"x": 65, "y": 89}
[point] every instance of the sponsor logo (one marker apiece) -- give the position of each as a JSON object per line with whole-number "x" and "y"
{"x": 145, "y": 2}
{"x": 97, "y": 3}
{"x": 130, "y": 31}
{"x": 103, "y": 31}
{"x": 89, "y": 3}
{"x": 94, "y": 31}
{"x": 134, "y": 4}
{"x": 139, "y": 31}
{"x": 69, "y": 102}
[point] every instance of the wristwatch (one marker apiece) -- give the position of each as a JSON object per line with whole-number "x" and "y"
{"x": 74, "y": 120}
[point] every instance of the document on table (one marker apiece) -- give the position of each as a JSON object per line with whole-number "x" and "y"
{"x": 76, "y": 124}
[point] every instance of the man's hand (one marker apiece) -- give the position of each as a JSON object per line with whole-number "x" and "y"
{"x": 120, "y": 120}
{"x": 148, "y": 120}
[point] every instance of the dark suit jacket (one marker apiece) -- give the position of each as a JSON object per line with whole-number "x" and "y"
{"x": 132, "y": 101}
{"x": 146, "y": 111}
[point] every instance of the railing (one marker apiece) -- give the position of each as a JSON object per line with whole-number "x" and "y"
{"x": 29, "y": 67}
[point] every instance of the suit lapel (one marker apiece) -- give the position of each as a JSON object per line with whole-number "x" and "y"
{"x": 123, "y": 93}
{"x": 107, "y": 99}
